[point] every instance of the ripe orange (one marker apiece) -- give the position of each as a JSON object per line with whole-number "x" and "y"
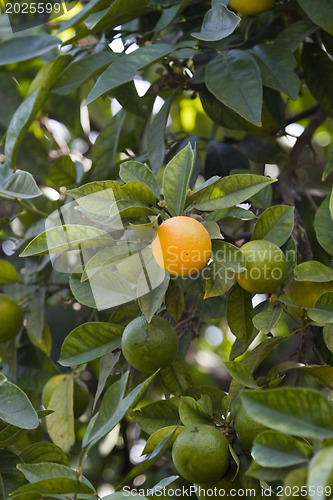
{"x": 10, "y": 318}
{"x": 250, "y": 7}
{"x": 265, "y": 267}
{"x": 181, "y": 246}
{"x": 201, "y": 454}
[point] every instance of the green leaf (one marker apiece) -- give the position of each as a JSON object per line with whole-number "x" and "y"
{"x": 277, "y": 65}
{"x": 218, "y": 23}
{"x": 113, "y": 408}
{"x": 155, "y": 137}
{"x": 320, "y": 14}
{"x": 322, "y": 312}
{"x": 313, "y": 271}
{"x": 299, "y": 412}
{"x": 104, "y": 150}
{"x": 44, "y": 451}
{"x": 320, "y": 472}
{"x": 229, "y": 191}
{"x": 240, "y": 313}
{"x": 176, "y": 179}
{"x": 160, "y": 434}
{"x": 191, "y": 413}
{"x": 230, "y": 213}
{"x": 39, "y": 471}
{"x": 15, "y": 407}
{"x": 219, "y": 278}
{"x": 324, "y": 374}
{"x": 241, "y": 374}
{"x": 176, "y": 378}
{"x": 68, "y": 237}
{"x": 8, "y": 273}
{"x": 125, "y": 68}
{"x": 229, "y": 256}
{"x": 329, "y": 163}
{"x": 275, "y": 224}
{"x": 328, "y": 336}
{"x": 150, "y": 302}
{"x": 323, "y": 226}
{"x": 90, "y": 341}
{"x": 21, "y": 48}
{"x": 317, "y": 67}
{"x": 53, "y": 486}
{"x": 136, "y": 171}
{"x": 60, "y": 424}
{"x": 138, "y": 191}
{"x": 213, "y": 230}
{"x": 19, "y": 185}
{"x": 279, "y": 450}
{"x": 234, "y": 78}
{"x": 174, "y": 301}
{"x": 81, "y": 70}
{"x": 157, "y": 415}
{"x": 63, "y": 172}
{"x": 294, "y": 34}
{"x": 266, "y": 320}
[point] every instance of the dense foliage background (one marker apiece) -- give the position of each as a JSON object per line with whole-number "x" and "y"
{"x": 240, "y": 109}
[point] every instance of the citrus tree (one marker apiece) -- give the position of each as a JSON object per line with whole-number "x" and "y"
{"x": 166, "y": 303}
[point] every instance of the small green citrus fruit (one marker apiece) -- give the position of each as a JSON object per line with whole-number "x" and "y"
{"x": 201, "y": 454}
{"x": 149, "y": 346}
{"x": 10, "y": 318}
{"x": 246, "y": 428}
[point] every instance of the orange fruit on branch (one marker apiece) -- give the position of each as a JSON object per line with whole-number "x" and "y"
{"x": 181, "y": 246}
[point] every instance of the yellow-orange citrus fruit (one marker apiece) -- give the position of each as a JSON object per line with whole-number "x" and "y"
{"x": 10, "y": 318}
{"x": 306, "y": 294}
{"x": 201, "y": 454}
{"x": 181, "y": 246}
{"x": 149, "y": 346}
{"x": 250, "y": 7}
{"x": 265, "y": 267}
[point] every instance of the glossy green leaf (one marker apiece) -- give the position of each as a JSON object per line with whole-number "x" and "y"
{"x": 218, "y": 23}
{"x": 69, "y": 237}
{"x": 53, "y": 486}
{"x": 294, "y": 34}
{"x": 266, "y": 320}
{"x": 38, "y": 472}
{"x": 229, "y": 191}
{"x": 8, "y": 273}
{"x": 317, "y": 67}
{"x": 324, "y": 374}
{"x": 15, "y": 407}
{"x": 241, "y": 374}
{"x": 229, "y": 256}
{"x": 174, "y": 301}
{"x": 328, "y": 336}
{"x": 176, "y": 378}
{"x": 323, "y": 225}
{"x": 157, "y": 415}
{"x": 104, "y": 150}
{"x": 19, "y": 185}
{"x": 113, "y": 408}
{"x": 81, "y": 70}
{"x": 63, "y": 171}
{"x": 313, "y": 271}
{"x": 60, "y": 424}
{"x": 44, "y": 451}
{"x": 120, "y": 72}
{"x": 275, "y": 224}
{"x": 279, "y": 450}
{"x": 150, "y": 302}
{"x": 320, "y": 472}
{"x": 296, "y": 411}
{"x": 219, "y": 278}
{"x": 191, "y": 413}
{"x": 176, "y": 179}
{"x": 136, "y": 171}
{"x": 320, "y": 14}
{"x": 138, "y": 191}
{"x": 26, "y": 47}
{"x": 240, "y": 313}
{"x": 155, "y": 137}
{"x": 230, "y": 213}
{"x": 277, "y": 65}
{"x": 234, "y": 78}
{"x": 322, "y": 312}
{"x": 160, "y": 434}
{"x": 213, "y": 230}
{"x": 90, "y": 341}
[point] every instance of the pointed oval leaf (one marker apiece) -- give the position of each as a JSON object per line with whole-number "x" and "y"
{"x": 26, "y": 47}
{"x": 279, "y": 450}
{"x": 241, "y": 374}
{"x": 320, "y": 472}
{"x": 157, "y": 415}
{"x": 321, "y": 14}
{"x": 240, "y": 313}
{"x": 323, "y": 225}
{"x": 219, "y": 22}
{"x": 299, "y": 412}
{"x": 322, "y": 312}
{"x": 176, "y": 180}
{"x": 15, "y": 407}
{"x": 157, "y": 437}
{"x": 136, "y": 171}
{"x": 266, "y": 320}
{"x": 191, "y": 413}
{"x": 234, "y": 78}
{"x": 275, "y": 224}
{"x": 313, "y": 271}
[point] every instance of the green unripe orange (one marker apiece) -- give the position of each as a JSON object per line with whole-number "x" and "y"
{"x": 266, "y": 267}
{"x": 246, "y": 428}
{"x": 201, "y": 454}
{"x": 149, "y": 346}
{"x": 10, "y": 318}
